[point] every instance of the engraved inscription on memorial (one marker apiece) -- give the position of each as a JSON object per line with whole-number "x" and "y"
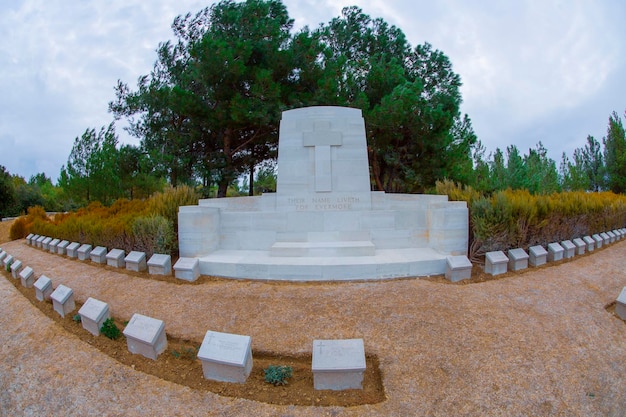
{"x": 334, "y": 203}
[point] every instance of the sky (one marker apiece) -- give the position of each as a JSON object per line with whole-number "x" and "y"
{"x": 532, "y": 70}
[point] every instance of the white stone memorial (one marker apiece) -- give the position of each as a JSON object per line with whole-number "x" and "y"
{"x": 72, "y": 250}
{"x": 43, "y": 288}
{"x": 496, "y": 262}
{"x": 8, "y": 260}
{"x": 115, "y": 258}
{"x": 537, "y": 255}
{"x": 620, "y": 304}
{"x": 33, "y": 240}
{"x": 569, "y": 249}
{"x": 580, "y": 246}
{"x": 39, "y": 241}
{"x": 136, "y": 261}
{"x": 338, "y": 364}
{"x": 518, "y": 259}
{"x": 84, "y": 251}
{"x": 605, "y": 238}
{"x": 187, "y": 269}
{"x": 599, "y": 240}
{"x": 93, "y": 314}
{"x": 16, "y": 268}
{"x": 160, "y": 264}
{"x": 226, "y": 357}
{"x": 62, "y": 247}
{"x": 555, "y": 252}
{"x": 145, "y": 336}
{"x": 52, "y": 247}
{"x": 29, "y": 237}
{"x": 27, "y": 277}
{"x": 3, "y": 255}
{"x": 458, "y": 268}
{"x": 63, "y": 300}
{"x": 323, "y": 222}
{"x": 591, "y": 243}
{"x": 98, "y": 255}
{"x": 45, "y": 244}
{"x": 612, "y": 237}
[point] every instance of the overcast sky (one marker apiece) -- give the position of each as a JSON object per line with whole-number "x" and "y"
{"x": 532, "y": 70}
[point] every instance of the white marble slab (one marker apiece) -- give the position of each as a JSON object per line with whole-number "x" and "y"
{"x": 518, "y": 259}
{"x": 63, "y": 300}
{"x": 27, "y": 277}
{"x": 72, "y": 250}
{"x": 160, "y": 264}
{"x": 115, "y": 258}
{"x": 84, "y": 251}
{"x": 93, "y": 314}
{"x": 458, "y": 268}
{"x": 226, "y": 357}
{"x": 136, "y": 261}
{"x": 62, "y": 247}
{"x": 538, "y": 255}
{"x": 145, "y": 336}
{"x": 187, "y": 269}
{"x": 496, "y": 262}
{"x": 569, "y": 249}
{"x": 620, "y": 304}
{"x": 43, "y": 288}
{"x": 338, "y": 364}
{"x": 98, "y": 255}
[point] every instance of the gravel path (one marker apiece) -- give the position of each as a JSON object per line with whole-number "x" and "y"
{"x": 536, "y": 343}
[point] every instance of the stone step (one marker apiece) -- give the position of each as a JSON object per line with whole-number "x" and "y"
{"x": 323, "y": 249}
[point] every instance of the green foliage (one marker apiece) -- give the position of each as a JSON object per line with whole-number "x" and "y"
{"x": 153, "y": 234}
{"x": 110, "y": 329}
{"x": 18, "y": 229}
{"x": 8, "y": 266}
{"x": 7, "y": 193}
{"x": 615, "y": 154}
{"x": 77, "y": 318}
{"x": 278, "y": 374}
{"x": 189, "y": 353}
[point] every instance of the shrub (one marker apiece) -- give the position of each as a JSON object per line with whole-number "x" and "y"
{"x": 110, "y": 330}
{"x": 153, "y": 234}
{"x": 277, "y": 374}
{"x": 18, "y": 228}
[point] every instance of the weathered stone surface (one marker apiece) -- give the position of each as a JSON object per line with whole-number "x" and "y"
{"x": 581, "y": 246}
{"x": 16, "y": 267}
{"x": 518, "y": 259}
{"x": 43, "y": 288}
{"x": 45, "y": 244}
{"x": 93, "y": 314}
{"x": 27, "y": 277}
{"x": 458, "y": 268}
{"x": 52, "y": 247}
{"x": 62, "y": 247}
{"x": 63, "y": 300}
{"x": 72, "y": 250}
{"x": 338, "y": 364}
{"x": 496, "y": 262}
{"x": 226, "y": 357}
{"x": 591, "y": 243}
{"x": 98, "y": 255}
{"x": 145, "y": 336}
{"x": 160, "y": 264}
{"x": 136, "y": 261}
{"x": 115, "y": 258}
{"x": 187, "y": 269}
{"x": 537, "y": 255}
{"x": 569, "y": 249}
{"x": 599, "y": 240}
{"x": 84, "y": 252}
{"x": 555, "y": 252}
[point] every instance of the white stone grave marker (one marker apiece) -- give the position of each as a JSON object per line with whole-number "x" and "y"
{"x": 605, "y": 238}
{"x": 518, "y": 259}
{"x": 338, "y": 364}
{"x": 620, "y": 304}
{"x": 84, "y": 251}
{"x": 45, "y": 244}
{"x": 52, "y": 247}
{"x": 63, "y": 300}
{"x": 555, "y": 252}
{"x": 99, "y": 255}
{"x": 62, "y": 247}
{"x": 8, "y": 260}
{"x": 93, "y": 314}
{"x": 16, "y": 267}
{"x": 39, "y": 241}
{"x": 187, "y": 269}
{"x": 27, "y": 277}
{"x": 43, "y": 288}
{"x": 29, "y": 237}
{"x": 226, "y": 357}
{"x": 145, "y": 336}
{"x": 580, "y": 246}
{"x": 599, "y": 240}
{"x": 569, "y": 249}
{"x": 159, "y": 264}
{"x": 72, "y": 250}
{"x": 496, "y": 262}
{"x": 115, "y": 258}
{"x": 591, "y": 243}
{"x": 33, "y": 240}
{"x": 3, "y": 255}
{"x": 458, "y": 268}
{"x": 612, "y": 237}
{"x": 537, "y": 255}
{"x": 136, "y": 261}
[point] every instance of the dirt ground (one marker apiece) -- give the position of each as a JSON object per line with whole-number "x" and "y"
{"x": 538, "y": 342}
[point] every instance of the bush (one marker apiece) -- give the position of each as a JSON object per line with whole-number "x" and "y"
{"x": 153, "y": 234}
{"x": 18, "y": 229}
{"x": 110, "y": 330}
{"x": 277, "y": 374}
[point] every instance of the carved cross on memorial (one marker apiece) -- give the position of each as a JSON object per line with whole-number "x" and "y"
{"x": 322, "y": 138}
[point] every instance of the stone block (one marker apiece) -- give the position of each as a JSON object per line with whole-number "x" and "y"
{"x": 99, "y": 255}
{"x": 537, "y": 255}
{"x": 599, "y": 240}
{"x": 590, "y": 242}
{"x": 52, "y": 247}
{"x": 43, "y": 288}
{"x": 159, "y": 264}
{"x": 605, "y": 238}
{"x": 8, "y": 260}
{"x": 63, "y": 300}
{"x": 84, "y": 252}
{"x": 33, "y": 240}
{"x": 496, "y": 263}
{"x": 338, "y": 364}
{"x": 93, "y": 314}
{"x": 226, "y": 357}
{"x": 620, "y": 304}
{"x": 29, "y": 237}
{"x": 518, "y": 259}
{"x": 458, "y": 268}
{"x": 72, "y": 250}
{"x": 39, "y": 241}
{"x": 187, "y": 269}
{"x": 569, "y": 249}
{"x": 115, "y": 258}
{"x": 16, "y": 267}
{"x": 555, "y": 252}
{"x": 3, "y": 255}
{"x": 618, "y": 234}
{"x": 145, "y": 336}
{"x": 580, "y": 246}
{"x": 45, "y": 244}
{"x": 612, "y": 236}
{"x": 136, "y": 261}
{"x": 27, "y": 277}
{"x": 62, "y": 247}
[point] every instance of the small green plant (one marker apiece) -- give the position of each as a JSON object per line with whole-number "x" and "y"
{"x": 188, "y": 353}
{"x": 110, "y": 330}
{"x": 8, "y": 266}
{"x": 76, "y": 318}
{"x": 277, "y": 374}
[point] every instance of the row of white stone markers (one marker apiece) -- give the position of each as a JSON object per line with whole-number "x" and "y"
{"x": 185, "y": 268}
{"x": 336, "y": 364}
